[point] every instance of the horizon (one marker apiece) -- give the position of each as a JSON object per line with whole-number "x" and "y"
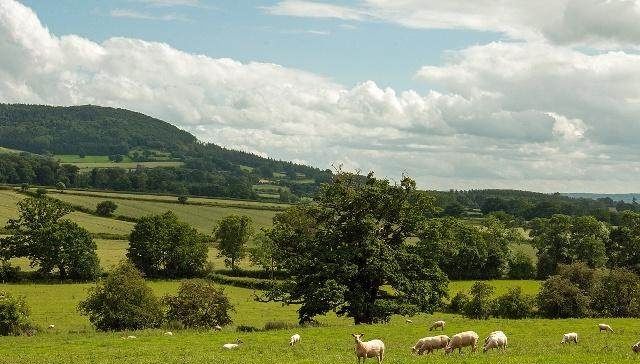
{"x": 542, "y": 100}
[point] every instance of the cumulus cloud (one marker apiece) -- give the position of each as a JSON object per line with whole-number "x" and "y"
{"x": 519, "y": 115}
{"x": 596, "y": 23}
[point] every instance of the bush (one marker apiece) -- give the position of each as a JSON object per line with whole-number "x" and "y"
{"x": 615, "y": 293}
{"x": 278, "y": 325}
{"x": 458, "y": 302}
{"x": 183, "y": 199}
{"x": 106, "y": 208}
{"x": 40, "y": 192}
{"x": 247, "y": 328}
{"x": 123, "y": 301}
{"x": 9, "y": 273}
{"x": 199, "y": 304}
{"x": 513, "y": 305}
{"x": 479, "y": 306}
{"x": 560, "y": 298}
{"x": 14, "y": 315}
{"x": 521, "y": 266}
{"x": 259, "y": 284}
{"x": 579, "y": 274}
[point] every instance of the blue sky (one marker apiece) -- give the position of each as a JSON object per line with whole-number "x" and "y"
{"x": 540, "y": 95}
{"x": 346, "y": 51}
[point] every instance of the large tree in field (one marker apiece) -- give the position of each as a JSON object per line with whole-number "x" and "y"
{"x": 232, "y": 234}
{"x": 624, "y": 243}
{"x": 50, "y": 242}
{"x": 340, "y": 250}
{"x": 162, "y": 246}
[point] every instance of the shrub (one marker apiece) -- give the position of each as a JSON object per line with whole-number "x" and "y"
{"x": 278, "y": 325}
{"x": 123, "y": 301}
{"x": 579, "y": 274}
{"x": 14, "y": 315}
{"x": 458, "y": 302}
{"x": 259, "y": 284}
{"x": 8, "y": 273}
{"x": 560, "y": 298}
{"x": 521, "y": 266}
{"x": 199, "y": 304}
{"x": 479, "y": 306}
{"x": 513, "y": 305}
{"x": 106, "y": 208}
{"x": 247, "y": 328}
{"x": 60, "y": 186}
{"x": 614, "y": 293}
{"x": 40, "y": 192}
{"x": 183, "y": 199}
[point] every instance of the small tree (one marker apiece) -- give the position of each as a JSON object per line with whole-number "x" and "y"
{"x": 14, "y": 315}
{"x": 183, "y": 199}
{"x": 41, "y": 192}
{"x": 162, "y": 246}
{"x": 232, "y": 234}
{"x": 479, "y": 306}
{"x": 60, "y": 186}
{"x": 264, "y": 252}
{"x": 521, "y": 266}
{"x": 106, "y": 208}
{"x": 116, "y": 158}
{"x": 614, "y": 292}
{"x": 513, "y": 305}
{"x": 123, "y": 301}
{"x": 559, "y": 298}
{"x": 199, "y": 304}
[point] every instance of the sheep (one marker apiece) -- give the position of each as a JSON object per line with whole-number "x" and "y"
{"x": 409, "y": 321}
{"x": 636, "y": 347}
{"x": 51, "y": 327}
{"x": 496, "y": 339}
{"x": 569, "y": 337}
{"x": 217, "y": 328}
{"x": 168, "y": 333}
{"x": 129, "y": 337}
{"x": 604, "y": 327}
{"x": 368, "y": 349}
{"x": 437, "y": 324}
{"x": 232, "y": 346}
{"x": 429, "y": 344}
{"x": 458, "y": 341}
{"x": 295, "y": 338}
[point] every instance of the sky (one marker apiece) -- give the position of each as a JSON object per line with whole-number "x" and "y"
{"x": 541, "y": 95}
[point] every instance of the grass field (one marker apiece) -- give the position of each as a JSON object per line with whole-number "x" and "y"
{"x": 201, "y": 217}
{"x": 74, "y": 341}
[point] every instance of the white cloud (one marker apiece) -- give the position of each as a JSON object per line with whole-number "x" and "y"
{"x": 596, "y": 23}
{"x": 133, "y": 14}
{"x": 519, "y": 115}
{"x": 169, "y": 3}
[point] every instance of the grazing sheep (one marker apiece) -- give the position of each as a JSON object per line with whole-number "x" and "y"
{"x": 496, "y": 339}
{"x": 604, "y": 327}
{"x": 429, "y": 344}
{"x": 168, "y": 333}
{"x": 458, "y": 341}
{"x": 569, "y": 337}
{"x": 409, "y": 321}
{"x": 232, "y": 346}
{"x": 132, "y": 337}
{"x": 636, "y": 347}
{"x": 217, "y": 328}
{"x": 295, "y": 338}
{"x": 368, "y": 349}
{"x": 437, "y": 324}
{"x": 51, "y": 327}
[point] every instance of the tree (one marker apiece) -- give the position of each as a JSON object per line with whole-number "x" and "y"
{"x": 199, "y": 304}
{"x": 340, "y": 250}
{"x": 122, "y": 301}
{"x": 521, "y": 266}
{"x": 559, "y": 298}
{"x": 232, "y": 234}
{"x": 513, "y": 305}
{"x": 106, "y": 208}
{"x": 162, "y": 246}
{"x": 479, "y": 304}
{"x": 14, "y": 315}
{"x": 116, "y": 158}
{"x": 623, "y": 247}
{"x": 49, "y": 242}
{"x": 264, "y": 252}
{"x": 183, "y": 199}
{"x": 60, "y": 186}
{"x": 614, "y": 292}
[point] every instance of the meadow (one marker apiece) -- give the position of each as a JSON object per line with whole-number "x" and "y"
{"x": 102, "y": 161}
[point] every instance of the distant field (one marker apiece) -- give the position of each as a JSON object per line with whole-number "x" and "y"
{"x": 501, "y": 286}
{"x": 4, "y": 150}
{"x": 201, "y": 217}
{"x": 74, "y": 158}
{"x": 95, "y": 224}
{"x": 102, "y": 161}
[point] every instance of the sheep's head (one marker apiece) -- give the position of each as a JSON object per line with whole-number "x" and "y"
{"x": 238, "y": 341}
{"x": 448, "y": 349}
{"x": 357, "y": 337}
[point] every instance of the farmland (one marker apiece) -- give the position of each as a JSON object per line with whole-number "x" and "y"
{"x": 74, "y": 341}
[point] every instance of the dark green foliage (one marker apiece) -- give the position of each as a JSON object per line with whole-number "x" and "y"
{"x": 122, "y": 301}
{"x": 199, "y": 304}
{"x": 264, "y": 253}
{"x": 252, "y": 283}
{"x": 465, "y": 251}
{"x": 563, "y": 239}
{"x": 341, "y": 249}
{"x": 51, "y": 243}
{"x": 162, "y": 246}
{"x": 579, "y": 274}
{"x": 183, "y": 199}
{"x": 60, "y": 186}
{"x": 560, "y": 298}
{"x": 521, "y": 266}
{"x": 8, "y": 273}
{"x": 14, "y": 315}
{"x": 513, "y": 305}
{"x": 479, "y": 305}
{"x": 116, "y": 158}
{"x": 615, "y": 293}
{"x": 623, "y": 249}
{"x": 106, "y": 208}
{"x": 232, "y": 234}
{"x": 458, "y": 302}
{"x": 247, "y": 328}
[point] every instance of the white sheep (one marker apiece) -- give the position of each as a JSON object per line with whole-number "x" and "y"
{"x": 430, "y": 343}
{"x": 232, "y": 346}
{"x": 636, "y": 347}
{"x": 217, "y": 328}
{"x": 295, "y": 338}
{"x": 569, "y": 337}
{"x": 604, "y": 327}
{"x": 409, "y": 321}
{"x": 51, "y": 327}
{"x": 496, "y": 339}
{"x": 168, "y": 333}
{"x": 437, "y": 324}
{"x": 458, "y": 341}
{"x": 368, "y": 349}
{"x": 132, "y": 337}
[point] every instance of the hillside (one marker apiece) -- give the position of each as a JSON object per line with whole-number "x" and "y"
{"x": 117, "y": 149}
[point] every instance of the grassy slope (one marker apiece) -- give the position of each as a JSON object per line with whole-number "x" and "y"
{"x": 530, "y": 341}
